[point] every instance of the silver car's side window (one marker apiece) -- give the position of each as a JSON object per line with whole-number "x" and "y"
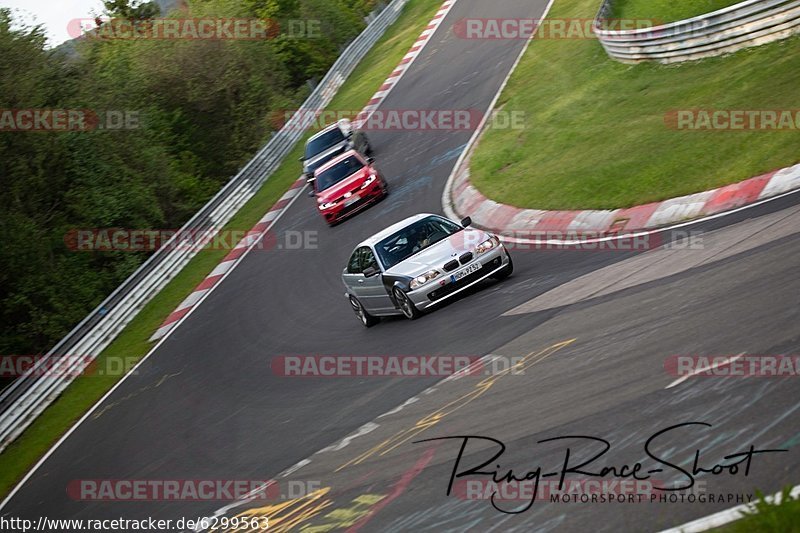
{"x": 354, "y": 265}
{"x": 360, "y": 260}
{"x": 368, "y": 260}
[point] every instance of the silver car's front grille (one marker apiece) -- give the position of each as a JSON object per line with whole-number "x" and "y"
{"x": 450, "y": 266}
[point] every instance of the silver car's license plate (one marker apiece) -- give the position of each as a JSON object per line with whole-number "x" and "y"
{"x": 474, "y": 267}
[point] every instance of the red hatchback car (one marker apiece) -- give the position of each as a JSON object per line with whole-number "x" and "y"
{"x": 345, "y": 185}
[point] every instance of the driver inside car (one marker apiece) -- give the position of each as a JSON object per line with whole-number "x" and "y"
{"x": 421, "y": 238}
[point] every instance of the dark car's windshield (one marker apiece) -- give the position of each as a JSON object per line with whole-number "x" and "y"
{"x": 338, "y": 172}
{"x": 414, "y": 238}
{"x": 323, "y": 142}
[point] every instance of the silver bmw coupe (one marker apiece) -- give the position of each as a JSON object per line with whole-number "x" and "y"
{"x": 418, "y": 263}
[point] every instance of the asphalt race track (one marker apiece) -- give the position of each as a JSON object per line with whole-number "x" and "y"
{"x": 207, "y": 405}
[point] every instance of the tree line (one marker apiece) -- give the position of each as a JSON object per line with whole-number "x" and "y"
{"x": 191, "y": 113}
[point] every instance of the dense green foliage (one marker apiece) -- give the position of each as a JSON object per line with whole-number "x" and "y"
{"x": 203, "y": 109}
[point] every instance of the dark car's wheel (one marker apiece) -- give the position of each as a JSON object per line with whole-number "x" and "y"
{"x": 366, "y": 319}
{"x": 505, "y": 271}
{"x": 406, "y": 305}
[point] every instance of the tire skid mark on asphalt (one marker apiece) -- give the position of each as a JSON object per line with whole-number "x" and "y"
{"x": 106, "y": 408}
{"x": 400, "y": 407}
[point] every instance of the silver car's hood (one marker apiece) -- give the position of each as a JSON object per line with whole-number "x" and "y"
{"x": 440, "y": 253}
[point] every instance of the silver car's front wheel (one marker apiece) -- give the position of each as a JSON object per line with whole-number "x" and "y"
{"x": 405, "y": 304}
{"x": 366, "y": 319}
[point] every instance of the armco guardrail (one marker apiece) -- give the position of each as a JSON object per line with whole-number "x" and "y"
{"x": 742, "y": 25}
{"x": 26, "y": 398}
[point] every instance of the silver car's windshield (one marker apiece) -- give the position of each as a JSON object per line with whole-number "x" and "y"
{"x": 413, "y": 239}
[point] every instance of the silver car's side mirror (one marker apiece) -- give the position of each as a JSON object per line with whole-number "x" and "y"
{"x": 466, "y": 222}
{"x": 370, "y": 271}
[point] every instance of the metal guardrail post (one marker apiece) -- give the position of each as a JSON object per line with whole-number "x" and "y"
{"x": 742, "y": 25}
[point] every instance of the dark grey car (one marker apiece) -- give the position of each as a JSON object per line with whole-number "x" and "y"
{"x": 330, "y": 142}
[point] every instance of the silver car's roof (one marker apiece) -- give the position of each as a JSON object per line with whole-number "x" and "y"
{"x": 326, "y": 130}
{"x": 394, "y": 228}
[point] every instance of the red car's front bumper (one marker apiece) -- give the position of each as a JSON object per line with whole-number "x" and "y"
{"x": 361, "y": 199}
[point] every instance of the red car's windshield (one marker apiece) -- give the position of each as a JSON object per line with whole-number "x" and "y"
{"x": 338, "y": 172}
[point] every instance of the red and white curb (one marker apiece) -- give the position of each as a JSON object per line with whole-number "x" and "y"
{"x": 226, "y": 265}
{"x": 404, "y": 64}
{"x": 463, "y": 199}
{"x": 264, "y": 225}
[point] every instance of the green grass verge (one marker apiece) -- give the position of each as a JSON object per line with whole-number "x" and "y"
{"x": 18, "y": 458}
{"x": 595, "y": 134}
{"x": 666, "y": 10}
{"x": 783, "y": 517}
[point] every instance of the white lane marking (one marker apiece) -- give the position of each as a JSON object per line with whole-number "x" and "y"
{"x": 295, "y": 468}
{"x": 400, "y": 407}
{"x": 717, "y": 364}
{"x": 369, "y": 427}
{"x": 727, "y": 516}
{"x": 132, "y": 371}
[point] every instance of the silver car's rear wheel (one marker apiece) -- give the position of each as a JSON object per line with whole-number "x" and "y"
{"x": 405, "y": 304}
{"x": 366, "y": 319}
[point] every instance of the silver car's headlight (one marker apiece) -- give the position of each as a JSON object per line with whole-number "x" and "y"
{"x": 323, "y": 207}
{"x": 421, "y": 280}
{"x": 487, "y": 245}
